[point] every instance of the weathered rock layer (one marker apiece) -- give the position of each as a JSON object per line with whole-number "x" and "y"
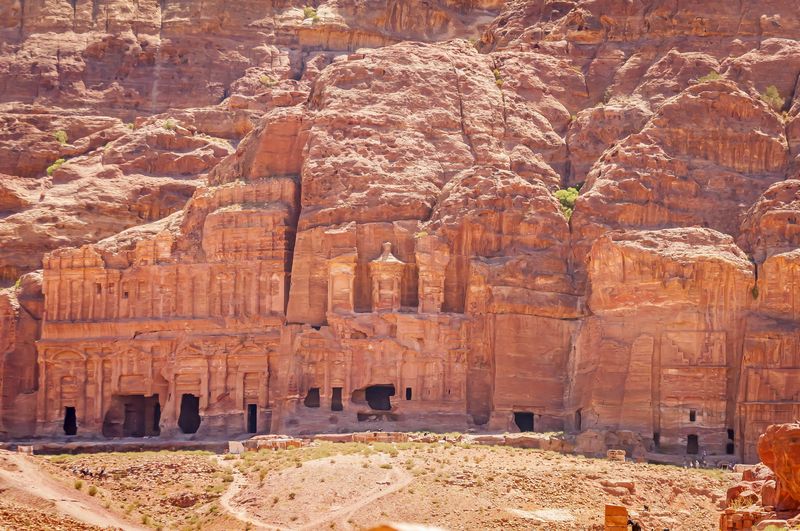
{"x": 373, "y": 238}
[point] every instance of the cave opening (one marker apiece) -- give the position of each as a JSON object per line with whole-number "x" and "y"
{"x": 692, "y": 444}
{"x": 133, "y": 423}
{"x": 312, "y": 398}
{"x": 132, "y": 416}
{"x": 730, "y": 447}
{"x": 252, "y": 418}
{"x": 336, "y": 399}
{"x": 157, "y": 417}
{"x": 408, "y": 393}
{"x": 578, "y": 420}
{"x": 70, "y": 421}
{"x": 189, "y": 418}
{"x": 523, "y": 420}
{"x": 378, "y": 397}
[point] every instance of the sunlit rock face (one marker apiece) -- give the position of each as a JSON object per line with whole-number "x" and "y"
{"x": 276, "y": 218}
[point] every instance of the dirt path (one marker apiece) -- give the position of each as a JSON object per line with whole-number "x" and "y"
{"x": 226, "y": 501}
{"x": 396, "y": 478}
{"x": 25, "y": 475}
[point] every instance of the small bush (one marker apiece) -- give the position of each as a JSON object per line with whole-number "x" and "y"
{"x": 310, "y": 12}
{"x": 711, "y": 76}
{"x": 387, "y": 466}
{"x": 169, "y": 124}
{"x": 267, "y": 81}
{"x": 773, "y": 98}
{"x": 498, "y": 78}
{"x": 78, "y": 484}
{"x": 754, "y": 292}
{"x": 60, "y": 136}
{"x": 54, "y": 166}
{"x": 292, "y": 495}
{"x": 567, "y": 199}
{"x": 92, "y": 490}
{"x": 131, "y": 126}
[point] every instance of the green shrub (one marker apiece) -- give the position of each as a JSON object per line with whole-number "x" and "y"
{"x": 61, "y": 136}
{"x": 78, "y": 484}
{"x": 711, "y": 76}
{"x": 498, "y": 79}
{"x": 169, "y": 124}
{"x": 54, "y": 166}
{"x": 567, "y": 199}
{"x": 310, "y": 12}
{"x": 92, "y": 490}
{"x": 773, "y": 98}
{"x": 267, "y": 81}
{"x": 754, "y": 291}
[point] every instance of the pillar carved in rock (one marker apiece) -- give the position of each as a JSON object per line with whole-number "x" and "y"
{"x": 341, "y": 281}
{"x": 433, "y": 255}
{"x": 386, "y": 273}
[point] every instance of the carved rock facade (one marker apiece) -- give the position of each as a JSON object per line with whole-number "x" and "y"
{"x": 383, "y": 247}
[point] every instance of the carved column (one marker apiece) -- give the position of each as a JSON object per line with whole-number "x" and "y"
{"x": 386, "y": 273}
{"x": 433, "y": 255}
{"x": 341, "y": 281}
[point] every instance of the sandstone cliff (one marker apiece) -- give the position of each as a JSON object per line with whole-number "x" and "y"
{"x": 373, "y": 234}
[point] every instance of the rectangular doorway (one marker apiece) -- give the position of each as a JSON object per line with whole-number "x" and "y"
{"x": 523, "y": 420}
{"x": 336, "y": 399}
{"x": 252, "y": 418}
{"x": 70, "y": 421}
{"x": 692, "y": 444}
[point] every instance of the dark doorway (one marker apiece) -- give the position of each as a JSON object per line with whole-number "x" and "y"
{"x": 692, "y": 445}
{"x": 657, "y": 439}
{"x": 378, "y": 397}
{"x": 578, "y": 420}
{"x": 692, "y": 415}
{"x": 408, "y": 393}
{"x": 133, "y": 426}
{"x": 70, "y": 421}
{"x": 523, "y": 420}
{"x": 336, "y": 399}
{"x": 252, "y": 418}
{"x": 132, "y": 416}
{"x": 189, "y": 419}
{"x": 312, "y": 398}
{"x": 156, "y": 417}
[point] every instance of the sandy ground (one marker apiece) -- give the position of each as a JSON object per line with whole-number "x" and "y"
{"x": 33, "y": 499}
{"x": 351, "y": 486}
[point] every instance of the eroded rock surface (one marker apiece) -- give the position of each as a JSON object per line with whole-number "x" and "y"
{"x": 373, "y": 237}
{"x": 769, "y": 492}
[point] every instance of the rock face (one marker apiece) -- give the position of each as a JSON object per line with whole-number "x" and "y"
{"x": 372, "y": 236}
{"x": 769, "y": 492}
{"x": 779, "y": 449}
